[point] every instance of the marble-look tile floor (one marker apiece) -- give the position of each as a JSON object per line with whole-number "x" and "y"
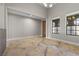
{"x": 40, "y": 47}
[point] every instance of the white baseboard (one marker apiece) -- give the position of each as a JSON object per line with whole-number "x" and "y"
{"x": 18, "y": 38}
{"x": 73, "y": 43}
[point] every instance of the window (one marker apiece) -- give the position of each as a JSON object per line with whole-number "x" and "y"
{"x": 55, "y": 26}
{"x": 72, "y": 26}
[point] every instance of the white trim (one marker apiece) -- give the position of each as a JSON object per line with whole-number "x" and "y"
{"x": 18, "y": 38}
{"x": 72, "y": 13}
{"x": 73, "y": 43}
{"x": 6, "y": 24}
{"x": 23, "y": 13}
{"x": 46, "y": 27}
{"x": 41, "y": 28}
{"x": 55, "y": 17}
{"x": 18, "y": 12}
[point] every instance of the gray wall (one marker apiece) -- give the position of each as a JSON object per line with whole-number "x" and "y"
{"x": 20, "y": 26}
{"x": 2, "y": 29}
{"x": 61, "y": 9}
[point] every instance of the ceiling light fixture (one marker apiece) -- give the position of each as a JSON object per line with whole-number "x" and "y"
{"x": 45, "y": 4}
{"x": 48, "y": 5}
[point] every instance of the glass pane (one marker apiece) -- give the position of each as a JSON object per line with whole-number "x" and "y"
{"x": 77, "y": 22}
{"x": 68, "y": 32}
{"x": 68, "y": 27}
{"x": 53, "y": 24}
{"x": 77, "y": 32}
{"x": 73, "y": 27}
{"x": 73, "y": 32}
{"x": 77, "y": 27}
{"x": 54, "y": 30}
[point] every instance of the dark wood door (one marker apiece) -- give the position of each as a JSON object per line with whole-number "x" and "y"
{"x": 44, "y": 28}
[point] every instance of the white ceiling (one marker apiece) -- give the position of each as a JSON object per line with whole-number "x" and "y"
{"x": 20, "y": 12}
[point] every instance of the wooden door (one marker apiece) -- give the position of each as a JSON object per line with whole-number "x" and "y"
{"x": 44, "y": 28}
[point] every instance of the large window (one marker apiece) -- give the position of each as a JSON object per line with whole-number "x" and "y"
{"x": 55, "y": 26}
{"x": 72, "y": 27}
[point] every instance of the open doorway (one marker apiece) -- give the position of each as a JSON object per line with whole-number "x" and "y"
{"x": 43, "y": 28}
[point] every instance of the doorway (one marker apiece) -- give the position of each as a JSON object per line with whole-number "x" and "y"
{"x": 43, "y": 28}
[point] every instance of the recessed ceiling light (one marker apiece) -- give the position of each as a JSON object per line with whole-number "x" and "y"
{"x": 50, "y": 5}
{"x": 45, "y": 4}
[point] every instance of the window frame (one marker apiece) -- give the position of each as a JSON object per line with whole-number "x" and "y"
{"x": 71, "y": 30}
{"x": 57, "y": 28}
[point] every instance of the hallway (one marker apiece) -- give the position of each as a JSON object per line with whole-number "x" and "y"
{"x": 38, "y": 46}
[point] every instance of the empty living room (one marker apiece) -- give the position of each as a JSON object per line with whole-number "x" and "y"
{"x": 39, "y": 29}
